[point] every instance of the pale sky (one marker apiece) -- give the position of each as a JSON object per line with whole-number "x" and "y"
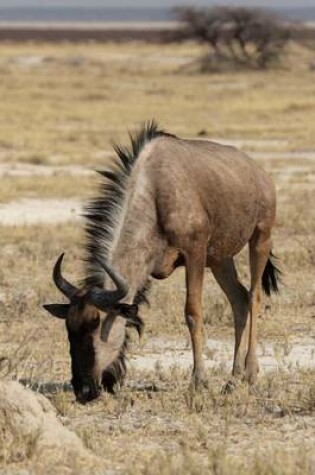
{"x": 155, "y": 3}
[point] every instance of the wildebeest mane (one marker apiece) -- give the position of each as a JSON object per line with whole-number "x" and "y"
{"x": 102, "y": 212}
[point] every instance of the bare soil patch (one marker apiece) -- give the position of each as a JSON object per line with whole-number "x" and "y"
{"x": 32, "y": 211}
{"x": 273, "y": 356}
{"x": 30, "y": 170}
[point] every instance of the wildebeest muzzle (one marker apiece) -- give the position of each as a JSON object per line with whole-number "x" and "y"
{"x": 87, "y": 391}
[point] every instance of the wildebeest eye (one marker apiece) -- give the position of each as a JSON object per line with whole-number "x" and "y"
{"x": 85, "y": 328}
{"x": 91, "y": 325}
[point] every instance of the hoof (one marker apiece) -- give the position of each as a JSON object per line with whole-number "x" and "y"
{"x": 198, "y": 382}
{"x": 251, "y": 377}
{"x": 251, "y": 370}
{"x": 238, "y": 372}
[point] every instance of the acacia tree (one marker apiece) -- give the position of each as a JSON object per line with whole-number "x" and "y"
{"x": 204, "y": 25}
{"x": 242, "y": 36}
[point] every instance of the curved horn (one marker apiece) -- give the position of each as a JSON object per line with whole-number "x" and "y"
{"x": 103, "y": 298}
{"x": 61, "y": 283}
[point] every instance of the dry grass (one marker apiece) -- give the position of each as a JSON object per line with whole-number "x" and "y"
{"x": 15, "y": 188}
{"x": 65, "y": 110}
{"x": 67, "y": 107}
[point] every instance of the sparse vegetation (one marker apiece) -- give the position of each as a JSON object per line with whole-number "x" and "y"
{"x": 154, "y": 424}
{"x": 237, "y": 37}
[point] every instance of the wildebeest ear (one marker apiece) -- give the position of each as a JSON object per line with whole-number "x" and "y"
{"x": 58, "y": 310}
{"x": 130, "y": 312}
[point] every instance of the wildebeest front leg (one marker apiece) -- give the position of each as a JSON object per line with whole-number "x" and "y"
{"x": 195, "y": 265}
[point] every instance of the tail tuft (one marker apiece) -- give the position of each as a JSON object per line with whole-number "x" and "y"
{"x": 271, "y": 276}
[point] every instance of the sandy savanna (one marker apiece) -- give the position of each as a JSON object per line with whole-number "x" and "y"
{"x": 61, "y": 107}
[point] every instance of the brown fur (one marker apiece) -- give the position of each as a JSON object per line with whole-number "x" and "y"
{"x": 199, "y": 203}
{"x": 183, "y": 202}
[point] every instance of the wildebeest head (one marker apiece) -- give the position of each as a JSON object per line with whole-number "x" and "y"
{"x": 96, "y": 322}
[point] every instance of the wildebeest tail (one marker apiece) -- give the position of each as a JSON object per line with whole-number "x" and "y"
{"x": 271, "y": 276}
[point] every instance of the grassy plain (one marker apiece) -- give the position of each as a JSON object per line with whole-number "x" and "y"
{"x": 62, "y": 105}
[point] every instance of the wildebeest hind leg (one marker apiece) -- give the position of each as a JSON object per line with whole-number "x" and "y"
{"x": 259, "y": 250}
{"x": 226, "y": 276}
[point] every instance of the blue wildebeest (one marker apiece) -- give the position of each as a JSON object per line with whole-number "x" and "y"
{"x": 168, "y": 202}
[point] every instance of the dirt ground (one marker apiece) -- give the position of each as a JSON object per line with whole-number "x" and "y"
{"x": 62, "y": 105}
